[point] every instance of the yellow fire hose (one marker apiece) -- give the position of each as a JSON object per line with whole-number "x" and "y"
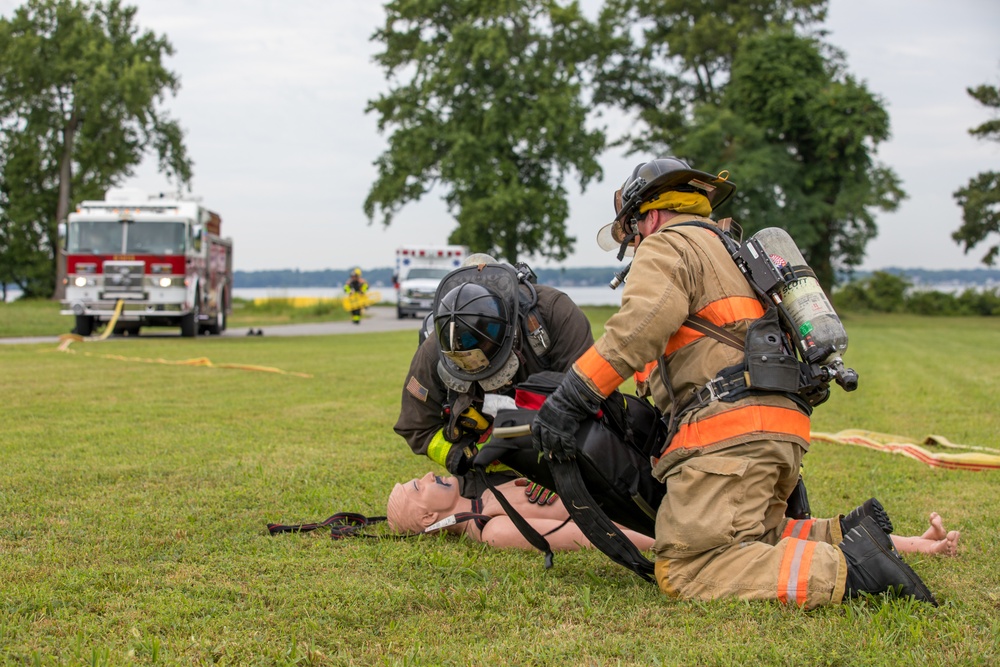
{"x": 955, "y": 457}
{"x": 68, "y": 339}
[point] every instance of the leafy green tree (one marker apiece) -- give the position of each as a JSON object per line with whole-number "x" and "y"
{"x": 799, "y": 137}
{"x": 745, "y": 87}
{"x": 664, "y": 57}
{"x": 80, "y": 89}
{"x": 486, "y": 102}
{"x": 980, "y": 199}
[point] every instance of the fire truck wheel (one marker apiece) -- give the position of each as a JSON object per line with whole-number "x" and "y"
{"x": 84, "y": 325}
{"x": 189, "y": 322}
{"x": 219, "y": 325}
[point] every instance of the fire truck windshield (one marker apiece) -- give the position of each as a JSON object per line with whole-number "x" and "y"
{"x": 155, "y": 238}
{"x": 95, "y": 237}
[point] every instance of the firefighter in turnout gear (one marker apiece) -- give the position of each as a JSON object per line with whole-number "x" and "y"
{"x": 729, "y": 465}
{"x": 356, "y": 285}
{"x": 493, "y": 327}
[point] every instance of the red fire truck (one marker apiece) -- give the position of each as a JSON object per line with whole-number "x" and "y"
{"x": 162, "y": 256}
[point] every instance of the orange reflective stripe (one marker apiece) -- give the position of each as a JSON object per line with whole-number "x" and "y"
{"x": 741, "y": 421}
{"x": 644, "y": 374}
{"x": 798, "y": 528}
{"x": 732, "y": 309}
{"x": 720, "y": 313}
{"x": 597, "y": 369}
{"x": 793, "y": 576}
{"x": 684, "y": 336}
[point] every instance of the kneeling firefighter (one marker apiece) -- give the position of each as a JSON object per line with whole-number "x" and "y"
{"x": 734, "y": 447}
{"x": 493, "y": 327}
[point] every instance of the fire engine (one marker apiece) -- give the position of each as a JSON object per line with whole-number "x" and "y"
{"x": 162, "y": 256}
{"x": 419, "y": 269}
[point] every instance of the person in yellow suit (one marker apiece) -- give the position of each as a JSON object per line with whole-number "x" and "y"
{"x": 356, "y": 285}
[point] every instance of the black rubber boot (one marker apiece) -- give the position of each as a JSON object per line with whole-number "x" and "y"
{"x": 872, "y": 508}
{"x": 874, "y": 565}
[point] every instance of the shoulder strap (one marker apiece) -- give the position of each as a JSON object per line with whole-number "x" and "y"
{"x": 534, "y": 538}
{"x": 594, "y": 523}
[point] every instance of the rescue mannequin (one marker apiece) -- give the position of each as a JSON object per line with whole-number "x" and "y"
{"x": 419, "y": 503}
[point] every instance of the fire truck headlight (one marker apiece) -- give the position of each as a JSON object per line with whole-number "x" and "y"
{"x": 83, "y": 281}
{"x": 165, "y": 282}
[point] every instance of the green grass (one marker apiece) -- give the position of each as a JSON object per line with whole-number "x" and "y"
{"x": 135, "y": 496}
{"x": 40, "y": 317}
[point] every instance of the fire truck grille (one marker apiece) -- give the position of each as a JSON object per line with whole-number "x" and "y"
{"x": 123, "y": 276}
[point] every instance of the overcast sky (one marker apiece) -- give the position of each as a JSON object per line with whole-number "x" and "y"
{"x": 273, "y": 94}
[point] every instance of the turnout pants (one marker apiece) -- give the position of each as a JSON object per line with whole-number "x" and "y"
{"x": 721, "y": 530}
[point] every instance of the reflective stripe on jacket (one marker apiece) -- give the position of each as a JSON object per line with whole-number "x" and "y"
{"x": 678, "y": 272}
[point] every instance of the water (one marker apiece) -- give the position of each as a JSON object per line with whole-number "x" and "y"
{"x": 583, "y": 296}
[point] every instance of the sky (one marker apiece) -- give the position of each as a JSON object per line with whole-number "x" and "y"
{"x": 273, "y": 96}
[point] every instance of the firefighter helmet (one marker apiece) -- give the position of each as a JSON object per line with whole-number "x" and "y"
{"x": 646, "y": 184}
{"x": 475, "y": 320}
{"x": 356, "y": 272}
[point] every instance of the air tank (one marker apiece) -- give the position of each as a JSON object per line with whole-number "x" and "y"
{"x": 823, "y": 338}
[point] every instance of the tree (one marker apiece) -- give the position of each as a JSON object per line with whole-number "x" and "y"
{"x": 486, "y": 101}
{"x": 799, "y": 135}
{"x": 731, "y": 85}
{"x": 667, "y": 56}
{"x": 980, "y": 199}
{"x": 79, "y": 95}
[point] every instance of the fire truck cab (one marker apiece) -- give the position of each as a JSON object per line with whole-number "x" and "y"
{"x": 162, "y": 256}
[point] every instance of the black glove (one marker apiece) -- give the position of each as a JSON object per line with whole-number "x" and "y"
{"x": 460, "y": 456}
{"x": 553, "y": 431}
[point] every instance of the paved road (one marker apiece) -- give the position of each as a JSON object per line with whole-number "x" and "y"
{"x": 377, "y": 318}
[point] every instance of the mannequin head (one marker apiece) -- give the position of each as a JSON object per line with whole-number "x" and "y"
{"x": 416, "y": 504}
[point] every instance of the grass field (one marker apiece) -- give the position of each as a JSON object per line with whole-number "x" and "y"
{"x": 136, "y": 492}
{"x": 40, "y": 317}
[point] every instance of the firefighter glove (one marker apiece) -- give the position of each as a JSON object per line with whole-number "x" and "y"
{"x": 460, "y": 456}
{"x": 536, "y": 493}
{"x": 553, "y": 431}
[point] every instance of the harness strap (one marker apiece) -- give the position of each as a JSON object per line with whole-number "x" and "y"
{"x": 594, "y": 523}
{"x": 703, "y": 326}
{"x": 533, "y": 537}
{"x": 342, "y": 524}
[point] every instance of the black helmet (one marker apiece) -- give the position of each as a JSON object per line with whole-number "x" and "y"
{"x": 650, "y": 179}
{"x": 475, "y": 320}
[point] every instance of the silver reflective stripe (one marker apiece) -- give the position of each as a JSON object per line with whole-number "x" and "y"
{"x": 793, "y": 572}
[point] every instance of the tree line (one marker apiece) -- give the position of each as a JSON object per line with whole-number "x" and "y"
{"x": 497, "y": 106}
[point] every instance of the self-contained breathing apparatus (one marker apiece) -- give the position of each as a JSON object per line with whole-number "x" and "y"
{"x": 795, "y": 348}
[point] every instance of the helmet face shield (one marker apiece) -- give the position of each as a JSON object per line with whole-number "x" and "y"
{"x": 471, "y": 326}
{"x": 475, "y": 317}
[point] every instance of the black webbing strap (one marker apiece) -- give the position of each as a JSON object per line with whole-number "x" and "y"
{"x": 704, "y": 327}
{"x": 342, "y": 524}
{"x": 534, "y": 538}
{"x": 350, "y": 524}
{"x": 594, "y": 523}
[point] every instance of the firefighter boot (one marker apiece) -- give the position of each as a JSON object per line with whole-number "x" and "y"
{"x": 874, "y": 565}
{"x": 870, "y": 507}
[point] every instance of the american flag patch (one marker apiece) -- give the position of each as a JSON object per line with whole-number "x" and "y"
{"x": 417, "y": 390}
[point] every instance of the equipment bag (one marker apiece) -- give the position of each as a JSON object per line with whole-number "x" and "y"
{"x": 609, "y": 482}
